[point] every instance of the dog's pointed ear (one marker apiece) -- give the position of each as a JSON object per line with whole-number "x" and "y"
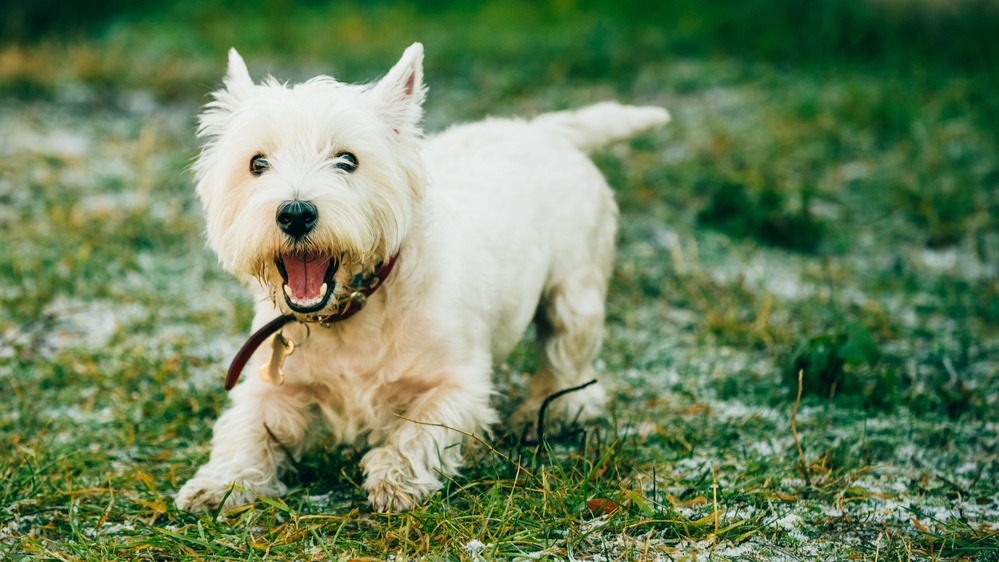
{"x": 237, "y": 78}
{"x": 237, "y": 85}
{"x": 401, "y": 92}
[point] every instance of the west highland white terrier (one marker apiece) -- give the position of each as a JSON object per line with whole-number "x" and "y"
{"x": 399, "y": 270}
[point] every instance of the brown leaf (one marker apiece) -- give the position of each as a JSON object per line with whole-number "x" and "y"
{"x": 601, "y": 506}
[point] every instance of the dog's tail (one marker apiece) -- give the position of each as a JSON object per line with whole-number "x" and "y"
{"x": 594, "y": 126}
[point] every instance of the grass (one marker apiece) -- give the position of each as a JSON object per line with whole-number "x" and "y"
{"x": 828, "y": 214}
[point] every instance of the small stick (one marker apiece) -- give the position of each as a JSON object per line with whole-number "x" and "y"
{"x": 794, "y": 431}
{"x": 284, "y": 448}
{"x": 544, "y": 406}
{"x": 714, "y": 495}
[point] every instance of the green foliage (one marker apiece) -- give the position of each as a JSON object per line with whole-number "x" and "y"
{"x": 844, "y": 365}
{"x": 764, "y": 214}
{"x": 912, "y": 32}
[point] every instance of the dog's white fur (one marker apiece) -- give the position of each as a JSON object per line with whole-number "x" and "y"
{"x": 497, "y": 223}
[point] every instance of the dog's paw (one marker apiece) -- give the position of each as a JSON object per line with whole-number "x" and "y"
{"x": 393, "y": 484}
{"x": 385, "y": 497}
{"x": 201, "y": 495}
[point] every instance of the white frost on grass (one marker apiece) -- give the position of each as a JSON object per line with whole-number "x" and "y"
{"x": 664, "y": 378}
{"x": 80, "y": 324}
{"x": 589, "y": 525}
{"x": 110, "y": 529}
{"x": 792, "y": 523}
{"x": 474, "y": 549}
{"x": 762, "y": 272}
{"x": 79, "y": 415}
{"x": 894, "y": 497}
{"x": 955, "y": 260}
{"x": 10, "y": 531}
{"x": 772, "y": 447}
{"x": 335, "y": 501}
{"x": 65, "y": 143}
{"x": 104, "y": 204}
{"x": 735, "y": 410}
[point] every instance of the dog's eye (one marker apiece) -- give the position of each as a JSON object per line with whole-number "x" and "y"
{"x": 259, "y": 164}
{"x": 345, "y": 161}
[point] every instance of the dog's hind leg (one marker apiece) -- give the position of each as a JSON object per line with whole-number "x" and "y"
{"x": 570, "y": 325}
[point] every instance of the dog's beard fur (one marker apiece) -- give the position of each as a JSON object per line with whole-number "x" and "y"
{"x": 517, "y": 225}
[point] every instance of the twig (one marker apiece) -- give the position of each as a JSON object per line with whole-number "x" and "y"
{"x": 794, "y": 431}
{"x": 283, "y": 447}
{"x": 952, "y": 484}
{"x": 714, "y": 495}
{"x": 691, "y": 489}
{"x": 543, "y": 411}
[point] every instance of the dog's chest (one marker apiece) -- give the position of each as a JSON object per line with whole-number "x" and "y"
{"x": 359, "y": 384}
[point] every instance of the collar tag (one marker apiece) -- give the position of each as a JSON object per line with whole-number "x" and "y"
{"x": 281, "y": 348}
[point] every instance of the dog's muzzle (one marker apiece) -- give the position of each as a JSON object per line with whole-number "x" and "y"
{"x": 308, "y": 276}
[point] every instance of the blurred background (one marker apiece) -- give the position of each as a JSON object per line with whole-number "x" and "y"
{"x": 173, "y": 47}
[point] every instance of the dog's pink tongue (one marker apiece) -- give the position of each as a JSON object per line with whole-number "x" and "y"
{"x": 306, "y": 275}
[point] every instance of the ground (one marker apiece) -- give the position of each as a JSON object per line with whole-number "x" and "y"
{"x": 827, "y": 231}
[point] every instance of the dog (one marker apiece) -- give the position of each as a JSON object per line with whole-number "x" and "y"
{"x": 402, "y": 269}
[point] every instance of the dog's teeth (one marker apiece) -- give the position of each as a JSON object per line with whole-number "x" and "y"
{"x": 322, "y": 290}
{"x": 287, "y": 291}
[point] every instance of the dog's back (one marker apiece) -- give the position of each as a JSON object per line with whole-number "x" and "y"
{"x": 533, "y": 223}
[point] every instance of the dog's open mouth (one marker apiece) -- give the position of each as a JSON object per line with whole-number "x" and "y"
{"x": 308, "y": 280}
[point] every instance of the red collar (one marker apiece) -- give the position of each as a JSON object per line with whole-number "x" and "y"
{"x": 362, "y": 291}
{"x": 355, "y": 303}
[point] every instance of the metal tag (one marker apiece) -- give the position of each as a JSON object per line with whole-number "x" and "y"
{"x": 281, "y": 347}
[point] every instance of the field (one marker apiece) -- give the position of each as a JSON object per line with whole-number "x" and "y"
{"x": 803, "y": 326}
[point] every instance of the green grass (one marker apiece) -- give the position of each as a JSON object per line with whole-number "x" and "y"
{"x": 824, "y": 202}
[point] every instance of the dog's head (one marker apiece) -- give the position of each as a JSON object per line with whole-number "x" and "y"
{"x": 306, "y": 187}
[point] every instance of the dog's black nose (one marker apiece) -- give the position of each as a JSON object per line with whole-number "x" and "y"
{"x": 297, "y": 218}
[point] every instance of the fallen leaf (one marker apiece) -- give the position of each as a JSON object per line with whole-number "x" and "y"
{"x": 601, "y": 506}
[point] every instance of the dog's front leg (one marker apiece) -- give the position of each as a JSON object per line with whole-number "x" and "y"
{"x": 425, "y": 444}
{"x": 251, "y": 442}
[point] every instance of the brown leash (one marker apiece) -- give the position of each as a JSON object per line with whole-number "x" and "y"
{"x": 354, "y": 305}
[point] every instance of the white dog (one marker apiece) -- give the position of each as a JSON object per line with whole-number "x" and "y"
{"x": 327, "y": 195}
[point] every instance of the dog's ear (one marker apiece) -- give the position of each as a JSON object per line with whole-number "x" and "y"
{"x": 237, "y": 86}
{"x": 237, "y": 78}
{"x": 401, "y": 92}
